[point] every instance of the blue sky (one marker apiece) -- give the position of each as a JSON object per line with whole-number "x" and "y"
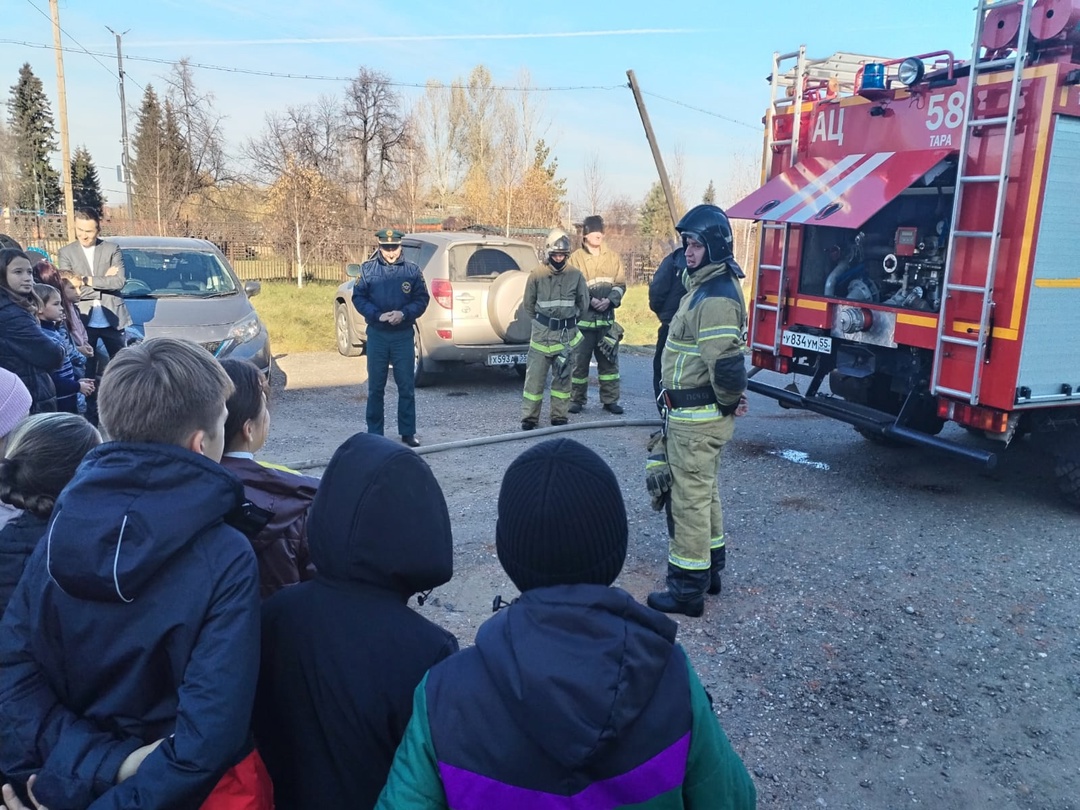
{"x": 713, "y": 56}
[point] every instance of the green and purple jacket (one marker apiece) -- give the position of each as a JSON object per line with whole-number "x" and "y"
{"x": 574, "y": 698}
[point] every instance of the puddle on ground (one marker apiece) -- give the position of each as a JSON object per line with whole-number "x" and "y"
{"x": 799, "y": 457}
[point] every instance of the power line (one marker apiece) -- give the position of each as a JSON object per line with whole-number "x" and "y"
{"x": 69, "y": 36}
{"x": 700, "y": 110}
{"x": 308, "y": 76}
{"x": 317, "y": 77}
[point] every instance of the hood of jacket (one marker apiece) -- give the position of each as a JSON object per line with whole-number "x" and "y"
{"x": 127, "y": 511}
{"x": 287, "y": 495}
{"x": 380, "y": 518}
{"x": 576, "y": 665}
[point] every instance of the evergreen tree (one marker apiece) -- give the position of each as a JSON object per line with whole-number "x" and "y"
{"x": 160, "y": 165}
{"x": 542, "y": 191}
{"x": 85, "y": 186}
{"x": 35, "y": 140}
{"x": 709, "y": 197}
{"x": 654, "y": 223}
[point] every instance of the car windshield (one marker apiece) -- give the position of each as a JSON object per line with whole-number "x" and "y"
{"x": 163, "y": 272}
{"x": 476, "y": 262}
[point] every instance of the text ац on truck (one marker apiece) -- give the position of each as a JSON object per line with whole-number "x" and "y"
{"x": 918, "y": 230}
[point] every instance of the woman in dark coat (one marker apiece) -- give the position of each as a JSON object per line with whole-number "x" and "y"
{"x": 24, "y": 348}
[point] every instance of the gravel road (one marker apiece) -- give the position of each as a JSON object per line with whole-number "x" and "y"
{"x": 897, "y": 628}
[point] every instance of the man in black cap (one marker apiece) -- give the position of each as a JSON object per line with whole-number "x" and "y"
{"x": 574, "y": 695}
{"x": 603, "y": 271}
{"x": 390, "y": 293}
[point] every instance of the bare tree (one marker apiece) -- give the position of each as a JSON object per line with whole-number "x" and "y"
{"x": 678, "y": 179}
{"x": 509, "y": 159}
{"x": 622, "y": 212}
{"x": 200, "y": 129}
{"x": 743, "y": 178}
{"x": 376, "y": 133}
{"x": 411, "y": 176}
{"x": 298, "y": 157}
{"x": 438, "y": 120}
{"x": 595, "y": 194}
{"x": 480, "y": 98}
{"x": 309, "y": 135}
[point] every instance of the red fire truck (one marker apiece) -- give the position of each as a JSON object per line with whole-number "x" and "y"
{"x": 916, "y": 237}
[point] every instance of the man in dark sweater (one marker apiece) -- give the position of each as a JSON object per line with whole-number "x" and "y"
{"x": 666, "y": 290}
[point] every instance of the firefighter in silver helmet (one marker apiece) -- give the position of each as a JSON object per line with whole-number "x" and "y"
{"x": 555, "y": 297}
{"x": 703, "y": 384}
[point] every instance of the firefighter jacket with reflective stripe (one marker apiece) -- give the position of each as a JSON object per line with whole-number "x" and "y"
{"x": 559, "y": 296}
{"x": 705, "y": 343}
{"x": 603, "y": 271}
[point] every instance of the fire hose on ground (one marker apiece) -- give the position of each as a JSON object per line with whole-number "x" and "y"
{"x": 498, "y": 438}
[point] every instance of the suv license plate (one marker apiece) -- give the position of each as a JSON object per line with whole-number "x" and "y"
{"x": 812, "y": 343}
{"x": 507, "y": 359}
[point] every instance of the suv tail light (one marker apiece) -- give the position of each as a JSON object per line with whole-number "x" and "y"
{"x": 443, "y": 292}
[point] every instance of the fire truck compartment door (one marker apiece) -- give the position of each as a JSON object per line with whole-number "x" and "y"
{"x": 838, "y": 192}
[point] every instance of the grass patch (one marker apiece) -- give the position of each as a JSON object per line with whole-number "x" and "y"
{"x": 299, "y": 320}
{"x": 636, "y": 318}
{"x": 302, "y": 320}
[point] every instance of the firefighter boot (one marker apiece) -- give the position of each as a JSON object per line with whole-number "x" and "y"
{"x": 685, "y": 592}
{"x": 719, "y": 558}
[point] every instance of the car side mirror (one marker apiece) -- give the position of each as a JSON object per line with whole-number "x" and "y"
{"x": 252, "y": 288}
{"x": 352, "y": 270}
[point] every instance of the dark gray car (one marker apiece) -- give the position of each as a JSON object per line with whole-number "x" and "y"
{"x": 185, "y": 288}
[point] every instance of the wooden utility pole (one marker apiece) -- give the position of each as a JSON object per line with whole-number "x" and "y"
{"x": 124, "y": 159}
{"x": 65, "y": 147}
{"x": 655, "y": 149}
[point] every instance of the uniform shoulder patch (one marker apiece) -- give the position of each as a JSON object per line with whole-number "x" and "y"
{"x": 406, "y": 287}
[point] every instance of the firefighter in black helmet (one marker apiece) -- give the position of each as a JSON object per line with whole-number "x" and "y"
{"x": 555, "y": 297}
{"x": 703, "y": 380}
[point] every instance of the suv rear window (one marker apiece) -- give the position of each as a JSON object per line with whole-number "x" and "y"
{"x": 418, "y": 254}
{"x": 476, "y": 262}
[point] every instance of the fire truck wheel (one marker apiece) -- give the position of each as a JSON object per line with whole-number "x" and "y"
{"x": 1067, "y": 473}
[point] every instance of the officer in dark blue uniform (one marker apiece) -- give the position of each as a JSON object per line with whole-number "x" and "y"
{"x": 390, "y": 293}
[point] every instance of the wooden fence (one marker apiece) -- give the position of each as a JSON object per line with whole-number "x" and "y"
{"x": 247, "y": 250}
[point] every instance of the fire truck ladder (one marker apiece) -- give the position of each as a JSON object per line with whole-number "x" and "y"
{"x": 795, "y": 102}
{"x": 952, "y": 290}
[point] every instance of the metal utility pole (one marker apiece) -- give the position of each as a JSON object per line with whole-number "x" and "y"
{"x": 65, "y": 148}
{"x": 124, "y": 159}
{"x": 655, "y": 149}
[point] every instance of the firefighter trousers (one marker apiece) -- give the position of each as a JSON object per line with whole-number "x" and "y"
{"x": 536, "y": 373}
{"x": 606, "y": 370}
{"x": 693, "y": 451}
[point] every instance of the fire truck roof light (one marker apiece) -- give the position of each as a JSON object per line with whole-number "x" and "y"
{"x": 910, "y": 71}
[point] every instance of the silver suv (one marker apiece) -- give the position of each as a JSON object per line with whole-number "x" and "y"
{"x": 476, "y": 284}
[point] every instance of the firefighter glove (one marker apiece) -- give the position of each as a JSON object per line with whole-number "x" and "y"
{"x": 608, "y": 345}
{"x": 658, "y": 479}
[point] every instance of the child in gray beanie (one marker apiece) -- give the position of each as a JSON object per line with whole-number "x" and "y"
{"x": 575, "y": 695}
